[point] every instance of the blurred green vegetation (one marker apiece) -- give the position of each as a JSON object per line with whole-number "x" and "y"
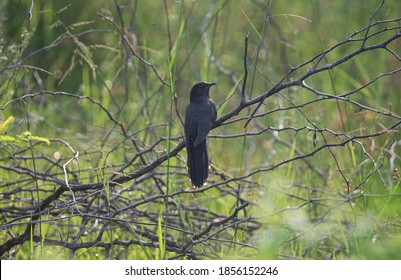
{"x": 90, "y": 91}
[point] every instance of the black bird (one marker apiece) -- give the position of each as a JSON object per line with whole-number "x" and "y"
{"x": 200, "y": 115}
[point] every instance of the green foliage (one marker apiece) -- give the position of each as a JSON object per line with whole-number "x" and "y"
{"x": 108, "y": 84}
{"x": 8, "y": 143}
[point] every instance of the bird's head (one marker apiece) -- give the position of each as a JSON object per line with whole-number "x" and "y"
{"x": 200, "y": 90}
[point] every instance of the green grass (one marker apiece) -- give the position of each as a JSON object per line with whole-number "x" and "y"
{"x": 342, "y": 202}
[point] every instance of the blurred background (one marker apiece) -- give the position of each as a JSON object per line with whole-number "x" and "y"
{"x": 92, "y": 98}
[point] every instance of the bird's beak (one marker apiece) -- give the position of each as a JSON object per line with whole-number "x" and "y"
{"x": 211, "y": 84}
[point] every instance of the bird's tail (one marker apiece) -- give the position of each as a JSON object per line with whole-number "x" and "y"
{"x": 198, "y": 164}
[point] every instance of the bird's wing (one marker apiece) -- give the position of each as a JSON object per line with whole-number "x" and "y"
{"x": 191, "y": 128}
{"x": 204, "y": 128}
{"x": 207, "y": 123}
{"x": 199, "y": 123}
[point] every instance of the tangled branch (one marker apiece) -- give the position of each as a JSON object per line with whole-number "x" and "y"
{"x": 116, "y": 204}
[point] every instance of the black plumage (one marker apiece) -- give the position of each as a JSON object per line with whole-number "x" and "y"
{"x": 200, "y": 116}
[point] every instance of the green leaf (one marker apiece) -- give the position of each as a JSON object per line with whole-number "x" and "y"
{"x": 27, "y": 136}
{"x": 8, "y": 138}
{"x": 6, "y": 124}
